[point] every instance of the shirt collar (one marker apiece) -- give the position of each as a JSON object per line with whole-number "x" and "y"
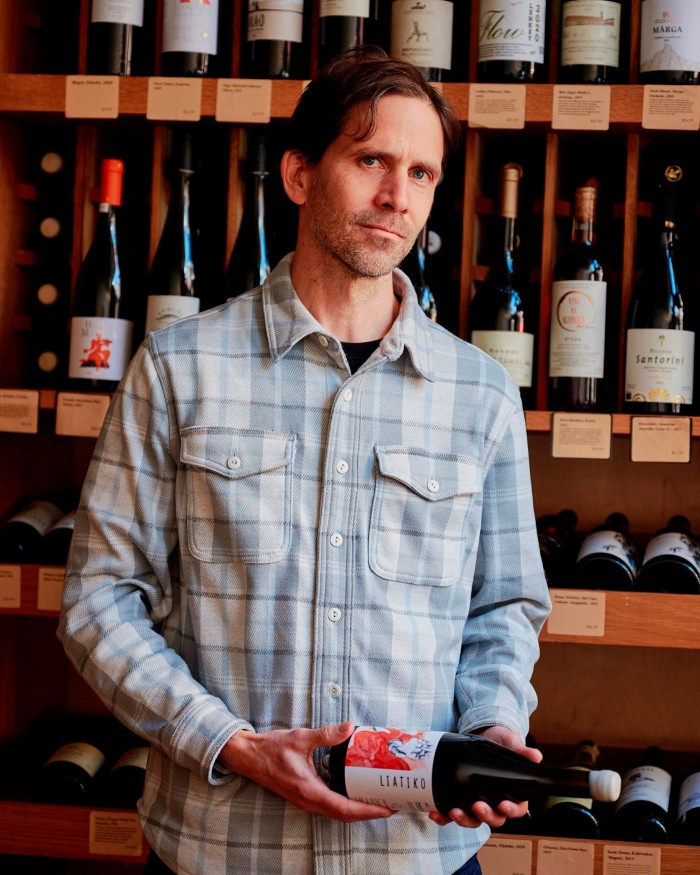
{"x": 287, "y": 321}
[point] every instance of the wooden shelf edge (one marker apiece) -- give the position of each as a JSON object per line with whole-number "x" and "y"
{"x": 541, "y": 421}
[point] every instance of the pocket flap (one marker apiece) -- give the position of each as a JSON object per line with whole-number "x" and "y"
{"x": 434, "y": 476}
{"x": 235, "y": 452}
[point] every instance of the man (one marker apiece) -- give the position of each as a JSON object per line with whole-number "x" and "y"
{"x": 311, "y": 508}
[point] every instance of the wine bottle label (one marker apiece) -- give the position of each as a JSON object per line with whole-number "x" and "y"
{"x": 577, "y": 330}
{"x": 513, "y": 349}
{"x": 676, "y": 544}
{"x": 646, "y": 784}
{"x": 590, "y": 33}
{"x": 67, "y": 521}
{"x": 163, "y": 309}
{"x": 135, "y": 756}
{"x": 118, "y": 11}
{"x": 421, "y": 32}
{"x": 349, "y": 8}
{"x": 659, "y": 365}
{"x": 275, "y": 20}
{"x": 88, "y": 757}
{"x": 100, "y": 348}
{"x": 609, "y": 543}
{"x": 190, "y": 27}
{"x": 689, "y": 795}
{"x": 40, "y": 515}
{"x": 391, "y": 767}
{"x": 512, "y": 30}
{"x": 669, "y": 36}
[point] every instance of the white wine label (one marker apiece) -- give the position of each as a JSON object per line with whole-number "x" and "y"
{"x": 610, "y": 543}
{"x": 40, "y": 515}
{"x": 689, "y": 795}
{"x": 669, "y": 36}
{"x": 118, "y": 11}
{"x": 577, "y": 329}
{"x": 512, "y": 30}
{"x": 275, "y": 20}
{"x": 659, "y": 366}
{"x": 675, "y": 544}
{"x": 421, "y": 32}
{"x": 391, "y": 767}
{"x": 513, "y": 349}
{"x": 67, "y": 521}
{"x": 590, "y": 33}
{"x": 646, "y": 784}
{"x": 135, "y": 756}
{"x": 359, "y": 8}
{"x": 163, "y": 309}
{"x": 190, "y": 27}
{"x": 87, "y": 756}
{"x": 100, "y": 348}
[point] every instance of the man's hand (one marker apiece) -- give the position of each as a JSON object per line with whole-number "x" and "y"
{"x": 281, "y": 760}
{"x": 481, "y": 812}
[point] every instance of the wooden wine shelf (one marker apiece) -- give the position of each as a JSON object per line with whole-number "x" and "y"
{"x": 541, "y": 421}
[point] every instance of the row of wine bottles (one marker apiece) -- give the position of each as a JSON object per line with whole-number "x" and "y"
{"x": 513, "y": 44}
{"x": 40, "y": 530}
{"x": 609, "y": 557}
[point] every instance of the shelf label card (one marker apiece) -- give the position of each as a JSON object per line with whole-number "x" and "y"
{"x": 626, "y": 860}
{"x": 92, "y": 97}
{"x": 671, "y": 108}
{"x": 174, "y": 98}
{"x": 660, "y": 438}
{"x": 577, "y": 612}
{"x": 574, "y": 858}
{"x": 581, "y": 435}
{"x": 80, "y": 415}
{"x": 506, "y": 856}
{"x": 19, "y": 411}
{"x": 115, "y": 833}
{"x": 244, "y": 100}
{"x": 10, "y": 587}
{"x": 497, "y": 106}
{"x": 581, "y": 107}
{"x": 49, "y": 589}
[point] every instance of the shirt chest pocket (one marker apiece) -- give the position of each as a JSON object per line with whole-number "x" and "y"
{"x": 239, "y": 493}
{"x": 420, "y": 514}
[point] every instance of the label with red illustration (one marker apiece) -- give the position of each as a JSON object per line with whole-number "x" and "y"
{"x": 392, "y": 767}
{"x": 100, "y": 348}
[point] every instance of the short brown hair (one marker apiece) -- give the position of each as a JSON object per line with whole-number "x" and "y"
{"x": 356, "y": 77}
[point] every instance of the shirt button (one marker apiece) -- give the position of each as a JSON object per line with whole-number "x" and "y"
{"x": 342, "y": 467}
{"x": 335, "y": 690}
{"x": 234, "y": 462}
{"x": 347, "y": 395}
{"x": 334, "y": 615}
{"x": 336, "y": 539}
{"x": 323, "y": 340}
{"x": 433, "y": 485}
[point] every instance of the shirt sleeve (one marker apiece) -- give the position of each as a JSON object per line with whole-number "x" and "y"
{"x": 120, "y": 577}
{"x": 510, "y": 598}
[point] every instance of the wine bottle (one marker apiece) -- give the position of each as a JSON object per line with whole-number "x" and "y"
{"x": 249, "y": 264}
{"x": 172, "y": 287}
{"x": 438, "y": 771}
{"x": 100, "y": 336}
{"x": 642, "y": 810}
{"x": 511, "y": 40}
{"x": 497, "y": 313}
{"x": 687, "y": 830}
{"x": 421, "y": 32}
{"x": 558, "y": 541}
{"x": 608, "y": 557}
{"x": 671, "y": 560}
{"x": 569, "y": 817}
{"x": 114, "y": 37}
{"x": 590, "y": 41}
{"x": 68, "y": 776}
{"x": 342, "y": 24}
{"x": 190, "y": 37}
{"x": 669, "y": 45}
{"x": 123, "y": 784}
{"x": 55, "y": 544}
{"x": 273, "y": 46}
{"x": 577, "y": 326}
{"x": 21, "y": 534}
{"x": 414, "y": 266}
{"x": 660, "y": 351}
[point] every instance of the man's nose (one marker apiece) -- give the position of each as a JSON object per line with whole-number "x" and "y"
{"x": 393, "y": 192}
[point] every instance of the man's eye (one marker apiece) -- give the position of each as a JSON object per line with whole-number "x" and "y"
{"x": 419, "y": 173}
{"x": 369, "y": 160}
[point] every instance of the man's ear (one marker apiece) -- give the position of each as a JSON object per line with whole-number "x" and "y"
{"x": 294, "y": 177}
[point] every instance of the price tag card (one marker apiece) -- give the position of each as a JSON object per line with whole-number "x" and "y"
{"x": 243, "y": 100}
{"x": 626, "y": 860}
{"x": 506, "y": 856}
{"x": 581, "y": 107}
{"x": 497, "y": 106}
{"x": 49, "y": 589}
{"x": 19, "y": 411}
{"x": 79, "y": 415}
{"x": 581, "y": 435}
{"x": 174, "y": 98}
{"x": 578, "y": 612}
{"x": 660, "y": 439}
{"x": 574, "y": 858}
{"x": 92, "y": 97}
{"x": 10, "y": 586}
{"x": 115, "y": 833}
{"x": 671, "y": 108}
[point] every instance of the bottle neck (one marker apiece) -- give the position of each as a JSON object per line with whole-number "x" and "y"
{"x": 583, "y": 231}
{"x": 188, "y": 259}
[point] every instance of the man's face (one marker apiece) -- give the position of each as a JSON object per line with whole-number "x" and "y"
{"x": 367, "y": 201}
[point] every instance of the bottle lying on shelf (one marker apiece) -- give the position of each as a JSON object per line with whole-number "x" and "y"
{"x": 608, "y": 558}
{"x": 558, "y": 545}
{"x": 671, "y": 560}
{"x": 572, "y": 817}
{"x": 642, "y": 812}
{"x": 687, "y": 829}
